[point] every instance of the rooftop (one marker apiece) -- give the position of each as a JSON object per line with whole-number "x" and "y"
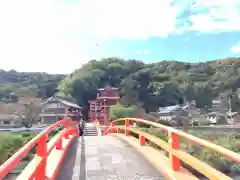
{"x": 108, "y": 88}
{"x": 63, "y": 101}
{"x": 169, "y": 109}
{"x": 177, "y": 107}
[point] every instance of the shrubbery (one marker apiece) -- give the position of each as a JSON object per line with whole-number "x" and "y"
{"x": 120, "y": 111}
{"x": 11, "y": 142}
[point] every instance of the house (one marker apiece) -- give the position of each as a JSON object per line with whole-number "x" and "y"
{"x": 172, "y": 113}
{"x": 56, "y": 108}
{"x": 99, "y": 108}
{"x": 179, "y": 113}
{"x": 213, "y": 117}
{"x": 228, "y": 118}
{"x": 232, "y": 118}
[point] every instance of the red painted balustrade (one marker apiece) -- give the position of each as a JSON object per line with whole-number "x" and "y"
{"x": 176, "y": 155}
{"x": 49, "y": 154}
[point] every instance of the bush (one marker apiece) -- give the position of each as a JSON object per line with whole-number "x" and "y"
{"x": 11, "y": 142}
{"x": 119, "y": 111}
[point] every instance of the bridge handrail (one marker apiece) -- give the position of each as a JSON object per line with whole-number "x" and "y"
{"x": 174, "y": 134}
{"x": 225, "y": 152}
{"x": 42, "y": 150}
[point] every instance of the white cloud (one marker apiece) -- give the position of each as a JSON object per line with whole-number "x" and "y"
{"x": 58, "y": 36}
{"x": 216, "y": 2}
{"x": 236, "y": 48}
{"x": 222, "y": 15}
{"x": 140, "y": 51}
{"x": 38, "y": 36}
{"x": 128, "y": 19}
{"x": 146, "y": 52}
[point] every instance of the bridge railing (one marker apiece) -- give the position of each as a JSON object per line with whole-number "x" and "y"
{"x": 176, "y": 155}
{"x": 49, "y": 155}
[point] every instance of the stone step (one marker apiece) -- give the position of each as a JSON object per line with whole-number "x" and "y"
{"x": 90, "y": 132}
{"x": 90, "y": 135}
{"x": 91, "y": 129}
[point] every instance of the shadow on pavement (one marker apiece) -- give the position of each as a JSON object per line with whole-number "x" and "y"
{"x": 66, "y": 171}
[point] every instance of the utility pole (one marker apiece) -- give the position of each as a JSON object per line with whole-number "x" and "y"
{"x": 230, "y": 110}
{"x": 230, "y": 104}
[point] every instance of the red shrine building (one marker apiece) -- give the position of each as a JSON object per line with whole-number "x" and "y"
{"x": 99, "y": 108}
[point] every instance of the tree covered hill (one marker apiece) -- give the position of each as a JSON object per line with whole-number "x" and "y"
{"x": 42, "y": 84}
{"x": 158, "y": 84}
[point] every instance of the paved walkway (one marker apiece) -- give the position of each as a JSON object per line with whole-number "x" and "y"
{"x": 106, "y": 158}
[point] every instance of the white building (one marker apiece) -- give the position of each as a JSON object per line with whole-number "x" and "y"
{"x": 172, "y": 113}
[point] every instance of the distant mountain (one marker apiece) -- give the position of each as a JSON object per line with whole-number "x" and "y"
{"x": 160, "y": 84}
{"x": 43, "y": 84}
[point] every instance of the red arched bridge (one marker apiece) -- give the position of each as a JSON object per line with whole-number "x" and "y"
{"x": 121, "y": 152}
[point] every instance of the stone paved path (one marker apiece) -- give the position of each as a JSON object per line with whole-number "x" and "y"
{"x": 108, "y": 158}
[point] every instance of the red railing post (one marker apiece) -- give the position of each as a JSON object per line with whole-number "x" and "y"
{"x": 76, "y": 130}
{"x": 113, "y": 129}
{"x": 142, "y": 140}
{"x": 105, "y": 131}
{"x": 174, "y": 143}
{"x": 67, "y": 125}
{"x": 118, "y": 130}
{"x": 127, "y": 125}
{"x": 59, "y": 144}
{"x": 41, "y": 151}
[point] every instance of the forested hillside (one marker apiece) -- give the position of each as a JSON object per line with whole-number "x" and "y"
{"x": 43, "y": 84}
{"x": 158, "y": 84}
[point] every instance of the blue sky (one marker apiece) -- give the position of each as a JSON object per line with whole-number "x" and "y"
{"x": 58, "y": 36}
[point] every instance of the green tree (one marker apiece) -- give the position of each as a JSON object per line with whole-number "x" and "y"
{"x": 30, "y": 114}
{"x": 203, "y": 97}
{"x": 128, "y": 87}
{"x": 119, "y": 111}
{"x": 235, "y": 102}
{"x": 152, "y": 85}
{"x": 188, "y": 92}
